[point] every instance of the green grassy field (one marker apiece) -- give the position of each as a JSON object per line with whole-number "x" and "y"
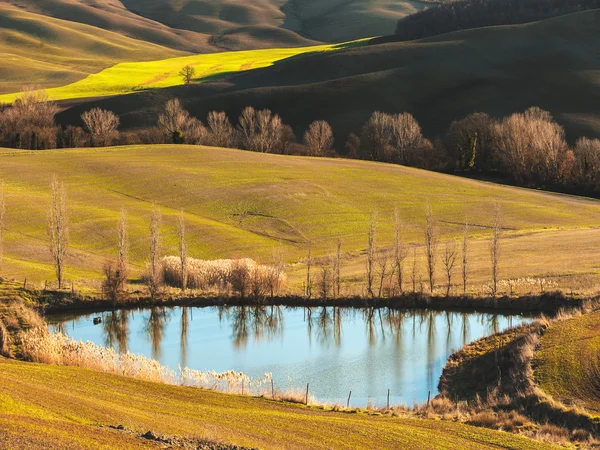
{"x": 245, "y": 204}
{"x": 44, "y": 51}
{"x": 129, "y": 77}
{"x": 567, "y": 363}
{"x": 67, "y": 407}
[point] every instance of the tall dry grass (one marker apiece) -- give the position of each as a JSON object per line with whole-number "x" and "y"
{"x": 39, "y": 345}
{"x": 4, "y": 340}
{"x": 242, "y": 276}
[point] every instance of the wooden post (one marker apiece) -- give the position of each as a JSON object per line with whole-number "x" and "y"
{"x": 272, "y": 389}
{"x": 306, "y": 394}
{"x": 45, "y": 285}
{"x": 25, "y": 284}
{"x": 388, "y": 399}
{"x": 428, "y": 398}
{"x": 242, "y": 386}
{"x": 348, "y": 402}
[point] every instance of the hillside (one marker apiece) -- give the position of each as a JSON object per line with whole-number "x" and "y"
{"x": 499, "y": 70}
{"x": 246, "y": 204}
{"x": 567, "y": 365}
{"x": 47, "y": 52}
{"x": 42, "y": 405}
{"x": 208, "y": 26}
{"x": 130, "y": 77}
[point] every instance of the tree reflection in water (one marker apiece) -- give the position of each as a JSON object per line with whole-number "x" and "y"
{"x": 155, "y": 328}
{"x": 115, "y": 326}
{"x": 265, "y": 322}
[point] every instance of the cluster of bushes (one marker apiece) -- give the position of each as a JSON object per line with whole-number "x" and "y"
{"x": 241, "y": 276}
{"x": 458, "y": 15}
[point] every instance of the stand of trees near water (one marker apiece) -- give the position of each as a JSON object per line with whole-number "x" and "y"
{"x": 527, "y": 148}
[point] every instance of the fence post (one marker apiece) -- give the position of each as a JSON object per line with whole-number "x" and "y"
{"x": 428, "y": 398}
{"x": 25, "y": 284}
{"x": 348, "y": 402}
{"x": 306, "y": 394}
{"x": 272, "y": 389}
{"x": 388, "y": 399}
{"x": 242, "y": 386}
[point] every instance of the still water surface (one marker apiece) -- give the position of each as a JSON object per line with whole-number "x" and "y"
{"x": 336, "y": 350}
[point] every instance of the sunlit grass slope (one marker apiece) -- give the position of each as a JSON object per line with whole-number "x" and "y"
{"x": 66, "y": 407}
{"x": 240, "y": 203}
{"x": 568, "y": 362}
{"x": 36, "y": 49}
{"x": 128, "y": 77}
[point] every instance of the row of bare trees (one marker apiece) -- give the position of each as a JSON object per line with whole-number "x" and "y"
{"x": 388, "y": 271}
{"x": 528, "y": 148}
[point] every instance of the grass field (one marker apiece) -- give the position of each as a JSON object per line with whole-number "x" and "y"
{"x": 240, "y": 204}
{"x": 41, "y": 50}
{"x": 128, "y": 77}
{"x": 568, "y": 363}
{"x": 66, "y": 407}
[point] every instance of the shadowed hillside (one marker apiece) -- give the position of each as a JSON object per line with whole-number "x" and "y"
{"x": 214, "y": 25}
{"x": 553, "y": 64}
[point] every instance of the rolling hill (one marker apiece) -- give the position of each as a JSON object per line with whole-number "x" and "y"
{"x": 246, "y": 204}
{"x": 208, "y": 26}
{"x": 553, "y": 64}
{"x": 47, "y": 52}
{"x": 130, "y": 77}
{"x": 66, "y": 407}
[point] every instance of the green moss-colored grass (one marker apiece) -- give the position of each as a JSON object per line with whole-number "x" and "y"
{"x": 43, "y": 51}
{"x": 72, "y": 408}
{"x": 568, "y": 361}
{"x": 129, "y": 77}
{"x": 245, "y": 204}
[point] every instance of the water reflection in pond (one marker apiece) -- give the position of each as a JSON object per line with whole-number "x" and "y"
{"x": 336, "y": 350}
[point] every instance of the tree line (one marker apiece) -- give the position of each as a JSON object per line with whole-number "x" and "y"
{"x": 526, "y": 148}
{"x": 448, "y": 16}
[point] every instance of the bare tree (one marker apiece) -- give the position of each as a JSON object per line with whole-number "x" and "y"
{"x": 123, "y": 249}
{"x": 371, "y": 250}
{"x": 413, "y": 275}
{"x": 220, "y": 130}
{"x": 102, "y": 126}
{"x": 116, "y": 271}
{"x": 325, "y": 279}
{"x": 2, "y": 221}
{"x": 308, "y": 285}
{"x": 58, "y": 228}
{"x": 187, "y": 73}
{"x": 382, "y": 270}
{"x": 495, "y": 246}
{"x": 182, "y": 250}
{"x": 431, "y": 244}
{"x": 337, "y": 268}
{"x": 449, "y": 260}
{"x": 154, "y": 279}
{"x": 318, "y": 139}
{"x": 465, "y": 255}
{"x": 400, "y": 249}
{"x": 178, "y": 126}
{"x": 29, "y": 122}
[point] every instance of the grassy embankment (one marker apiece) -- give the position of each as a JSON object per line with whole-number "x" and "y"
{"x": 67, "y": 407}
{"x": 244, "y": 204}
{"x": 568, "y": 362}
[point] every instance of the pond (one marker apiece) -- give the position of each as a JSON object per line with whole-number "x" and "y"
{"x": 336, "y": 350}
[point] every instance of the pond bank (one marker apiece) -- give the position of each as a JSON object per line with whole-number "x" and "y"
{"x": 547, "y": 303}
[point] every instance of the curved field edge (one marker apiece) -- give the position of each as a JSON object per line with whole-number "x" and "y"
{"x": 568, "y": 362}
{"x": 128, "y": 77}
{"x": 74, "y": 407}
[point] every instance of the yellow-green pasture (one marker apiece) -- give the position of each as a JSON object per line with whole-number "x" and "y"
{"x": 128, "y": 77}
{"x": 245, "y": 204}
